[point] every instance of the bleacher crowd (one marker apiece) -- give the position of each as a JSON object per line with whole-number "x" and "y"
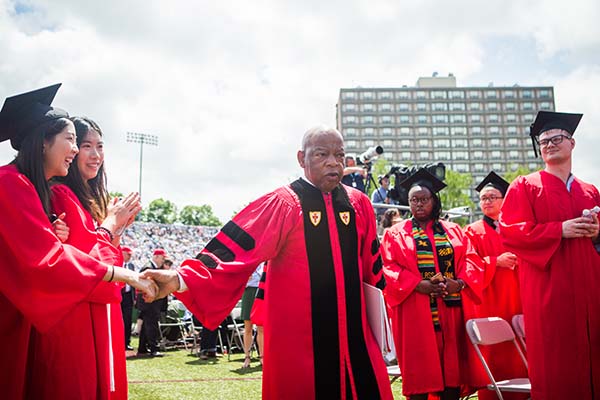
{"x": 179, "y": 241}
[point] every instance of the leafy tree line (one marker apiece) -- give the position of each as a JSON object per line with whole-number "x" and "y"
{"x": 165, "y": 212}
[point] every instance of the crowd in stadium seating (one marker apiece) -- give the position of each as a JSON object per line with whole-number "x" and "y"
{"x": 179, "y": 241}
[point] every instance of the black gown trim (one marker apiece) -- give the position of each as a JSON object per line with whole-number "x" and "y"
{"x": 323, "y": 294}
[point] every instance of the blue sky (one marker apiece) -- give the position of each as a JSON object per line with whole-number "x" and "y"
{"x": 229, "y": 87}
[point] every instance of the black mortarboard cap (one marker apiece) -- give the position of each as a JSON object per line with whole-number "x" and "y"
{"x": 493, "y": 180}
{"x": 24, "y": 112}
{"x": 423, "y": 178}
{"x": 547, "y": 120}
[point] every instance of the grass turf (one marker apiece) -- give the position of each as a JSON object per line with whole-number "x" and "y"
{"x": 180, "y": 375}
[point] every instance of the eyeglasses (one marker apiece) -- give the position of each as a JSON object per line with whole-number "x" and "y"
{"x": 490, "y": 199}
{"x": 419, "y": 200}
{"x": 556, "y": 140}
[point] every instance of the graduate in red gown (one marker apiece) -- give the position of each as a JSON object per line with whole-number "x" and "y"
{"x": 93, "y": 361}
{"x": 541, "y": 222}
{"x": 41, "y": 279}
{"x": 320, "y": 239}
{"x": 501, "y": 296}
{"x": 426, "y": 290}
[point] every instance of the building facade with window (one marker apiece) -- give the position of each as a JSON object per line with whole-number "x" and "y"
{"x": 470, "y": 129}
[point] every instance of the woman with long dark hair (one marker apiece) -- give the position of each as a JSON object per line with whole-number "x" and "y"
{"x": 93, "y": 361}
{"x": 41, "y": 279}
{"x": 429, "y": 274}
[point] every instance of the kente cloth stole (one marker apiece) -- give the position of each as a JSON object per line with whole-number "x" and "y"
{"x": 425, "y": 262}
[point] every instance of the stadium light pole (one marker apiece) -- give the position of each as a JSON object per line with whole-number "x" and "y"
{"x": 142, "y": 139}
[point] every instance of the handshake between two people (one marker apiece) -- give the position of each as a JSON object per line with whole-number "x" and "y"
{"x": 155, "y": 283}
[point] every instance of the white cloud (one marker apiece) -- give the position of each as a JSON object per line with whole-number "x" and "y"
{"x": 229, "y": 87}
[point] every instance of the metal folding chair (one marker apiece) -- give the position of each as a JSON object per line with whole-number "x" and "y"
{"x": 235, "y": 338}
{"x": 490, "y": 331}
{"x": 394, "y": 372}
{"x": 182, "y": 336}
{"x": 519, "y": 327}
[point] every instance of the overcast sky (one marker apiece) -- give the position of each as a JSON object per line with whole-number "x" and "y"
{"x": 230, "y": 87}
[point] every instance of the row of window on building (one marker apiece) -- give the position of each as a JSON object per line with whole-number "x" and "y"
{"x": 493, "y": 130}
{"x": 473, "y": 143}
{"x": 442, "y": 107}
{"x": 437, "y": 119}
{"x": 411, "y": 93}
{"x": 459, "y": 155}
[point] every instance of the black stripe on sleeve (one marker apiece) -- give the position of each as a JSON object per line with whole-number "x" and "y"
{"x": 374, "y": 246}
{"x": 207, "y": 260}
{"x": 381, "y": 283}
{"x": 220, "y": 251}
{"x": 239, "y": 236}
{"x": 377, "y": 265}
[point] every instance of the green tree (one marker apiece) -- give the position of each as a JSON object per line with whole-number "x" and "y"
{"x": 456, "y": 194}
{"x": 198, "y": 215}
{"x": 521, "y": 170}
{"x": 115, "y": 194}
{"x": 161, "y": 211}
{"x": 379, "y": 167}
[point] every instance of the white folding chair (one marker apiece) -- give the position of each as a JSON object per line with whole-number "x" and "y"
{"x": 164, "y": 329}
{"x": 490, "y": 331}
{"x": 394, "y": 372}
{"x": 519, "y": 327}
{"x": 235, "y": 331}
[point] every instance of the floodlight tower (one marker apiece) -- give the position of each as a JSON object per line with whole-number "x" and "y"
{"x": 142, "y": 139}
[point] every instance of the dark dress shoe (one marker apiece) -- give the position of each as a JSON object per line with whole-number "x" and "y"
{"x": 156, "y": 354}
{"x": 128, "y": 347}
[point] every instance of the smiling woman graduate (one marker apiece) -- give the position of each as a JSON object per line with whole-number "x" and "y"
{"x": 41, "y": 279}
{"x": 93, "y": 361}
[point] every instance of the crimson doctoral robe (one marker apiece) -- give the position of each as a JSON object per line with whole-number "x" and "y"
{"x": 320, "y": 247}
{"x": 559, "y": 279}
{"x": 501, "y": 298}
{"x": 41, "y": 280}
{"x": 429, "y": 360}
{"x": 83, "y": 356}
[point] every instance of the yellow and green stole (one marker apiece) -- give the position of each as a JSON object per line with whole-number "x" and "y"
{"x": 425, "y": 262}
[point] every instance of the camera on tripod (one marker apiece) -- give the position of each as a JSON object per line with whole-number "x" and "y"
{"x": 369, "y": 155}
{"x": 401, "y": 172}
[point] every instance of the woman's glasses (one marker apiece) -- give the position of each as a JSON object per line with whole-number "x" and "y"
{"x": 419, "y": 200}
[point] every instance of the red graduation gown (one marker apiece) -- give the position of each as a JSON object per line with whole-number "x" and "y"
{"x": 320, "y": 247}
{"x": 83, "y": 356}
{"x": 559, "y": 279}
{"x": 41, "y": 280}
{"x": 500, "y": 298}
{"x": 418, "y": 345}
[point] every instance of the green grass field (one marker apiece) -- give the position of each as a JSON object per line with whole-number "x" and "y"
{"x": 180, "y": 375}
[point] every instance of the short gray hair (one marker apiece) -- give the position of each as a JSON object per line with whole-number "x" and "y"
{"x": 317, "y": 130}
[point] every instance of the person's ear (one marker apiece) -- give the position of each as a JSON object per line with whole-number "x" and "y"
{"x": 300, "y": 155}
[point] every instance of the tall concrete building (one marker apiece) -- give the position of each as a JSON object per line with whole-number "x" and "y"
{"x": 470, "y": 129}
